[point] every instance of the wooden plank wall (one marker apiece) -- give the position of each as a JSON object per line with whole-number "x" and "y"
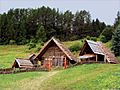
{"x": 55, "y": 54}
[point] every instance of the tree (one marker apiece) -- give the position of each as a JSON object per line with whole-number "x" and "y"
{"x": 116, "y": 42}
{"x": 107, "y": 33}
{"x": 81, "y": 24}
{"x": 40, "y": 34}
{"x": 117, "y": 20}
{"x": 24, "y": 25}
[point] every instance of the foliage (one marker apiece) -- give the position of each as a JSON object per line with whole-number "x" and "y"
{"x": 102, "y": 39}
{"x": 75, "y": 47}
{"x": 31, "y": 45}
{"x": 41, "y": 24}
{"x": 91, "y": 38}
{"x": 94, "y": 38}
{"x": 116, "y": 42}
{"x": 11, "y": 42}
{"x": 109, "y": 44}
{"x": 117, "y": 20}
{"x": 40, "y": 34}
{"x": 107, "y": 33}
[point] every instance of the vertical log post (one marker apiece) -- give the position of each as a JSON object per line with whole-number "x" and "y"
{"x": 96, "y": 58}
{"x": 49, "y": 64}
{"x": 65, "y": 63}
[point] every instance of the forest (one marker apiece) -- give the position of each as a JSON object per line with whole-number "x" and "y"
{"x": 22, "y": 26}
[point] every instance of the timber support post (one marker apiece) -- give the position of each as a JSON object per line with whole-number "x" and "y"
{"x": 65, "y": 63}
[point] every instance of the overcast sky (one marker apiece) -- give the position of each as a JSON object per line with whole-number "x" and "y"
{"x": 104, "y": 10}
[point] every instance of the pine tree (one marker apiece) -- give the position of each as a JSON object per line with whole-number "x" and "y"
{"x": 40, "y": 34}
{"x": 116, "y": 42}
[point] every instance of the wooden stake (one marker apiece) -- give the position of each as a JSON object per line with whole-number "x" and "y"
{"x": 65, "y": 63}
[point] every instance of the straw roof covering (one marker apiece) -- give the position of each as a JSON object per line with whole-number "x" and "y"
{"x": 22, "y": 63}
{"x": 100, "y": 48}
{"x": 65, "y": 50}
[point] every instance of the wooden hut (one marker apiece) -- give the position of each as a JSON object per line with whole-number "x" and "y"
{"x": 55, "y": 53}
{"x": 96, "y": 52}
{"x": 22, "y": 63}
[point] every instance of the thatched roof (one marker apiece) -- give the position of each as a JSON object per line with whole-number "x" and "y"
{"x": 22, "y": 63}
{"x": 95, "y": 47}
{"x": 65, "y": 50}
{"x": 110, "y": 57}
{"x": 100, "y": 48}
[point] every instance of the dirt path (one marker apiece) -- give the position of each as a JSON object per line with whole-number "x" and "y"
{"x": 35, "y": 83}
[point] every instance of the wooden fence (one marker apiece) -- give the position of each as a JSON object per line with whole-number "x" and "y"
{"x": 12, "y": 70}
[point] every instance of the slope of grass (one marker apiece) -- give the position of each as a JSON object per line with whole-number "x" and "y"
{"x": 14, "y": 81}
{"x": 70, "y": 43}
{"x": 86, "y": 77}
{"x": 82, "y": 77}
{"x": 8, "y": 53}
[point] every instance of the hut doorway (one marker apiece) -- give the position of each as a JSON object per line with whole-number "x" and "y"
{"x": 100, "y": 58}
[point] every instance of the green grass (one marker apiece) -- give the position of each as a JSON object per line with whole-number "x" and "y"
{"x": 86, "y": 77}
{"x": 13, "y": 81}
{"x": 118, "y": 58}
{"x": 8, "y": 53}
{"x": 82, "y": 77}
{"x": 68, "y": 44}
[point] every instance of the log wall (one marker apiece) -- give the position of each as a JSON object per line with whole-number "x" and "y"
{"x": 54, "y": 54}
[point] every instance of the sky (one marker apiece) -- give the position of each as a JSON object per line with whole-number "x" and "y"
{"x": 104, "y": 10}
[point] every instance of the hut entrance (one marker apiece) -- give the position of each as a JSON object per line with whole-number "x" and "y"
{"x": 100, "y": 58}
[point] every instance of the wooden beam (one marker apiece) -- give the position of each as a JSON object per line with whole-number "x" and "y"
{"x": 104, "y": 58}
{"x": 96, "y": 58}
{"x": 65, "y": 63}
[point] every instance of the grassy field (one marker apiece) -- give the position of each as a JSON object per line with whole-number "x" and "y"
{"x": 82, "y": 77}
{"x": 86, "y": 77}
{"x": 8, "y": 53}
{"x": 15, "y": 81}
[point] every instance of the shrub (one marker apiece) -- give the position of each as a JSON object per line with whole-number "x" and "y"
{"x": 11, "y": 42}
{"x": 38, "y": 48}
{"x": 93, "y": 38}
{"x": 103, "y": 39}
{"x": 88, "y": 37}
{"x": 107, "y": 33}
{"x": 74, "y": 37}
{"x": 75, "y": 47}
{"x": 31, "y": 45}
{"x": 23, "y": 42}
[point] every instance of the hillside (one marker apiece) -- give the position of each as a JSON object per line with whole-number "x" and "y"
{"x": 8, "y": 53}
{"x": 83, "y": 77}
{"x": 91, "y": 76}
